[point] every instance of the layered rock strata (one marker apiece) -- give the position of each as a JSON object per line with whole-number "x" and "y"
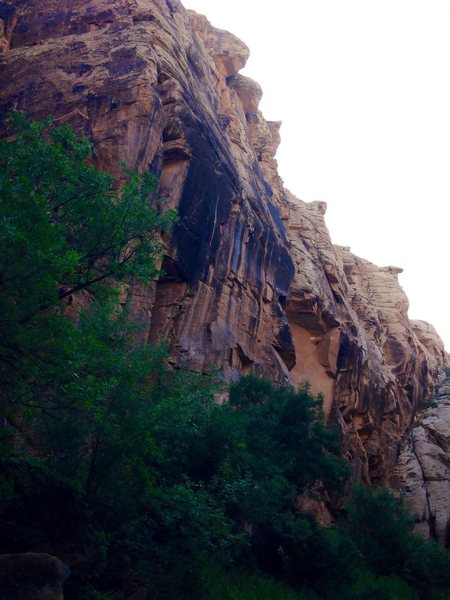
{"x": 252, "y": 281}
{"x": 422, "y": 474}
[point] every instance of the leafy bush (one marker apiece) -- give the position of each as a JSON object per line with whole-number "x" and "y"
{"x": 428, "y": 403}
{"x": 236, "y": 585}
{"x": 380, "y": 528}
{"x": 369, "y": 587}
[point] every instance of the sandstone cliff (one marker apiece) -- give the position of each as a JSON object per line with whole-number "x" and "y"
{"x": 252, "y": 281}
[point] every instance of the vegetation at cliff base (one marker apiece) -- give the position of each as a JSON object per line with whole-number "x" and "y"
{"x": 130, "y": 471}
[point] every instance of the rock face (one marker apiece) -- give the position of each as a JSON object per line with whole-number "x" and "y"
{"x": 32, "y": 576}
{"x": 253, "y": 282}
{"x": 355, "y": 343}
{"x": 422, "y": 475}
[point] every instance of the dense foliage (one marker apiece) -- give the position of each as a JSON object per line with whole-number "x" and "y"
{"x": 131, "y": 472}
{"x": 64, "y": 231}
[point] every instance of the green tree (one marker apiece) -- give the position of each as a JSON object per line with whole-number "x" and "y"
{"x": 65, "y": 228}
{"x": 380, "y": 527}
{"x": 74, "y": 392}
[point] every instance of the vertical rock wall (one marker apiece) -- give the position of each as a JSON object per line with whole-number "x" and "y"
{"x": 252, "y": 281}
{"x": 422, "y": 474}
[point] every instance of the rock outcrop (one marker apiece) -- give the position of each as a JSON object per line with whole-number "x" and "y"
{"x": 422, "y": 474}
{"x": 252, "y": 281}
{"x": 32, "y": 576}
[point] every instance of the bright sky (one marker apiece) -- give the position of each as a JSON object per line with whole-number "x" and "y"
{"x": 363, "y": 90}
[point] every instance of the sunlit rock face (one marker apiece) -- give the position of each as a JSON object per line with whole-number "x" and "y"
{"x": 252, "y": 281}
{"x": 355, "y": 343}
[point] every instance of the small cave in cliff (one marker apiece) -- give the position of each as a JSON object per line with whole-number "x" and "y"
{"x": 317, "y": 345}
{"x": 240, "y": 361}
{"x": 170, "y": 290}
{"x": 282, "y": 299}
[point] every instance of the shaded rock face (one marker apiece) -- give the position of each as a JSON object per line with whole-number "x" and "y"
{"x": 252, "y": 281}
{"x": 157, "y": 88}
{"x": 422, "y": 474}
{"x": 32, "y": 576}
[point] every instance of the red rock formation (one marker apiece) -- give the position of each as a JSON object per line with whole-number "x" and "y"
{"x": 253, "y": 282}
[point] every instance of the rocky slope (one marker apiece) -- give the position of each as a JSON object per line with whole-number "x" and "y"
{"x": 253, "y": 282}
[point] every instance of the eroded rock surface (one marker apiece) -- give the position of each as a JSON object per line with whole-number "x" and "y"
{"x": 422, "y": 475}
{"x": 355, "y": 343}
{"x": 253, "y": 282}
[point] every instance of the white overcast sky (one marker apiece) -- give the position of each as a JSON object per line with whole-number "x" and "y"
{"x": 363, "y": 90}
